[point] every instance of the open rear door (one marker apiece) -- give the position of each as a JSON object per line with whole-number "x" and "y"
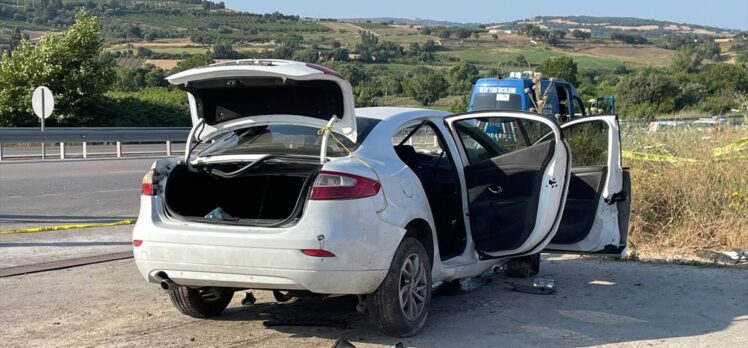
{"x": 596, "y": 215}
{"x": 516, "y": 169}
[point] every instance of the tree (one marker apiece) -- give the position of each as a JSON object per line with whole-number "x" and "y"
{"x": 354, "y": 73}
{"x": 425, "y": 86}
{"x": 582, "y": 35}
{"x": 194, "y": 61}
{"x": 647, "y": 93}
{"x": 71, "y": 64}
{"x": 725, "y": 78}
{"x": 461, "y": 77}
{"x": 562, "y": 67}
{"x": 15, "y": 39}
{"x": 686, "y": 60}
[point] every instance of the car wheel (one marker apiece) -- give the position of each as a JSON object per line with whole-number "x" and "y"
{"x": 401, "y": 303}
{"x": 282, "y": 296}
{"x": 523, "y": 267}
{"x": 202, "y": 302}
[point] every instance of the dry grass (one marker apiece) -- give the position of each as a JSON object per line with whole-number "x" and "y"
{"x": 688, "y": 206}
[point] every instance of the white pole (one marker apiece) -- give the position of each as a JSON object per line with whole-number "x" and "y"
{"x": 62, "y": 150}
{"x": 119, "y": 149}
{"x": 85, "y": 154}
{"x": 168, "y": 148}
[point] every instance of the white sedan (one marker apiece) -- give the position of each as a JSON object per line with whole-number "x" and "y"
{"x": 286, "y": 187}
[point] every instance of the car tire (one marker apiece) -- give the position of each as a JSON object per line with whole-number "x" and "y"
{"x": 523, "y": 267}
{"x": 202, "y": 302}
{"x": 403, "y": 316}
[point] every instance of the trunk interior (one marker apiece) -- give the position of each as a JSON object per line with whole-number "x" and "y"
{"x": 272, "y": 195}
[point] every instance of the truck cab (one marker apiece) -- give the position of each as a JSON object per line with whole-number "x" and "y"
{"x": 509, "y": 94}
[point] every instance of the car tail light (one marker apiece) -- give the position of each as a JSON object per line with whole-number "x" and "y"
{"x": 148, "y": 187}
{"x": 324, "y": 69}
{"x": 137, "y": 242}
{"x": 334, "y": 185}
{"x": 317, "y": 253}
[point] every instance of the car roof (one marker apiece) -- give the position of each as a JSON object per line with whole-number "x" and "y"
{"x": 388, "y": 112}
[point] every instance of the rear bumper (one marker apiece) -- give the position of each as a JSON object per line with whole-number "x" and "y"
{"x": 322, "y": 282}
{"x": 200, "y": 254}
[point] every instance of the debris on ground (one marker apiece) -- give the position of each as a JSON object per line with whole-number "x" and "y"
{"x": 544, "y": 282}
{"x": 725, "y": 257}
{"x": 249, "y": 299}
{"x": 530, "y": 289}
{"x": 342, "y": 343}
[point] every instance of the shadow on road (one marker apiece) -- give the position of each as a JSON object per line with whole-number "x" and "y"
{"x": 611, "y": 302}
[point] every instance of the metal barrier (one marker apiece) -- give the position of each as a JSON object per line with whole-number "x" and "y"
{"x": 118, "y": 136}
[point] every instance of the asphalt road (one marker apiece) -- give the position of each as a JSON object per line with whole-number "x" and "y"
{"x": 597, "y": 303}
{"x": 37, "y": 193}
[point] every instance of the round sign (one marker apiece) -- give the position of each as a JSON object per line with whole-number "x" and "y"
{"x": 43, "y": 102}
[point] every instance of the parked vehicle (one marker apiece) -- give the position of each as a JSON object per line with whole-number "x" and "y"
{"x": 510, "y": 94}
{"x": 296, "y": 191}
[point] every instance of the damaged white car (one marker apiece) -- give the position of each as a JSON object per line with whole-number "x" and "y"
{"x": 286, "y": 187}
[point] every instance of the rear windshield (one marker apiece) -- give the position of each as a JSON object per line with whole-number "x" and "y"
{"x": 276, "y": 140}
{"x": 285, "y": 139}
{"x": 497, "y": 101}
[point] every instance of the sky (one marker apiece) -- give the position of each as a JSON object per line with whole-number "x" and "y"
{"x": 720, "y": 13}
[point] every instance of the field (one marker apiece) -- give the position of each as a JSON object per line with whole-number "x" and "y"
{"x": 602, "y": 58}
{"x": 688, "y": 205}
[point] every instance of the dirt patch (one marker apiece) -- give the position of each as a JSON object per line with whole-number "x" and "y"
{"x": 166, "y": 64}
{"x": 641, "y": 27}
{"x": 628, "y": 52}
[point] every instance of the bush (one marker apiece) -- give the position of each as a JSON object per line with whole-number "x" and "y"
{"x": 150, "y": 107}
{"x": 425, "y": 86}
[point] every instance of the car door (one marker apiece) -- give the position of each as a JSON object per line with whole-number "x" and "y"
{"x": 596, "y": 215}
{"x": 515, "y": 183}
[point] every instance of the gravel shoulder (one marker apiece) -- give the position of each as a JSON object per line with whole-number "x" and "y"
{"x": 598, "y": 302}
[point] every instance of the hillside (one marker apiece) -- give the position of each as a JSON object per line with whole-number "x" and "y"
{"x": 604, "y": 26}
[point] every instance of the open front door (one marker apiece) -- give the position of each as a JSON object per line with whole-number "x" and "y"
{"x": 516, "y": 173}
{"x": 596, "y": 215}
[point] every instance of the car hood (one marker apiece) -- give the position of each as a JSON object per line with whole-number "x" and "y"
{"x": 249, "y": 93}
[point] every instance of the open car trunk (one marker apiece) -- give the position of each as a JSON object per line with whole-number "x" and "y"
{"x": 271, "y": 195}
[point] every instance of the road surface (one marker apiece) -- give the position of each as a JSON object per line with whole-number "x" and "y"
{"x": 38, "y": 193}
{"x": 607, "y": 303}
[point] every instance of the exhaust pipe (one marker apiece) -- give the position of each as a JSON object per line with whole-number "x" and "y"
{"x": 165, "y": 282}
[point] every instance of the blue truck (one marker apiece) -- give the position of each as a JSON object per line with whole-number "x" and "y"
{"x": 564, "y": 103}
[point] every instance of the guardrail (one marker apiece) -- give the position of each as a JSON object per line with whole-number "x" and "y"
{"x": 118, "y": 136}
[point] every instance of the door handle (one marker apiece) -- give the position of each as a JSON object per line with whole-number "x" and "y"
{"x": 495, "y": 189}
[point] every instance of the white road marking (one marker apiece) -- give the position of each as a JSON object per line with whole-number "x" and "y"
{"x": 130, "y": 172}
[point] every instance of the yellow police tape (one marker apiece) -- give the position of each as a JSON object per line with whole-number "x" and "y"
{"x": 651, "y": 157}
{"x": 68, "y": 227}
{"x": 736, "y": 150}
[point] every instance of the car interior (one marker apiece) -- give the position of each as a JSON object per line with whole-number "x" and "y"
{"x": 421, "y": 148}
{"x": 588, "y": 143}
{"x": 563, "y": 101}
{"x": 504, "y": 178}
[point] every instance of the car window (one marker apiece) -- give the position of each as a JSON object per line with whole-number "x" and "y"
{"x": 276, "y": 140}
{"x": 578, "y": 107}
{"x": 588, "y": 142}
{"x": 489, "y": 137}
{"x": 424, "y": 140}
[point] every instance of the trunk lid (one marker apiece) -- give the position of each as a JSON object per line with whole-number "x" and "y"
{"x": 247, "y": 93}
